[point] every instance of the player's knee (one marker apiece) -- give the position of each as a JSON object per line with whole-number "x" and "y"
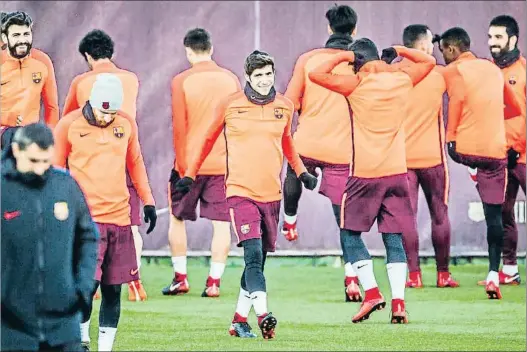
{"x": 253, "y": 254}
{"x": 111, "y": 293}
{"x": 353, "y": 246}
{"x": 394, "y": 248}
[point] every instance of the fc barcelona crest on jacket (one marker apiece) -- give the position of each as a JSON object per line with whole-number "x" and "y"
{"x": 118, "y": 131}
{"x": 37, "y": 77}
{"x": 278, "y": 113}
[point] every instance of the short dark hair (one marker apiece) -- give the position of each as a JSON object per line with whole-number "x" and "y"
{"x": 257, "y": 59}
{"x": 198, "y": 39}
{"x": 510, "y": 24}
{"x": 365, "y": 48}
{"x": 19, "y": 18}
{"x": 37, "y": 133}
{"x": 7, "y": 136}
{"x": 413, "y": 33}
{"x": 97, "y": 44}
{"x": 457, "y": 37}
{"x": 342, "y": 19}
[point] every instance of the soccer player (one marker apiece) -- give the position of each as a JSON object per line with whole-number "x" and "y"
{"x": 377, "y": 187}
{"x": 323, "y": 136}
{"x": 97, "y": 49}
{"x": 27, "y": 76}
{"x": 257, "y": 130}
{"x": 195, "y": 93}
{"x": 99, "y": 142}
{"x": 503, "y": 44}
{"x": 426, "y": 161}
{"x": 476, "y": 132}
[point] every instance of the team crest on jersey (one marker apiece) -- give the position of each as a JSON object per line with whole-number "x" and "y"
{"x": 512, "y": 80}
{"x": 245, "y": 229}
{"x": 61, "y": 211}
{"x": 278, "y": 113}
{"x": 37, "y": 77}
{"x": 118, "y": 132}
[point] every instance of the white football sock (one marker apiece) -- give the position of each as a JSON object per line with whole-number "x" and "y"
{"x": 106, "y": 338}
{"x": 348, "y": 270}
{"x": 244, "y": 305}
{"x": 494, "y": 277}
{"x": 180, "y": 265}
{"x": 510, "y": 270}
{"x": 290, "y": 219}
{"x": 364, "y": 270}
{"x": 259, "y": 300}
{"x": 85, "y": 331}
{"x": 216, "y": 270}
{"x": 397, "y": 278}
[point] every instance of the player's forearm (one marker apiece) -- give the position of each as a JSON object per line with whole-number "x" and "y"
{"x": 136, "y": 168}
{"x": 322, "y": 75}
{"x": 455, "y": 110}
{"x": 206, "y": 147}
{"x": 513, "y": 107}
{"x": 414, "y": 55}
{"x": 180, "y": 150}
{"x": 291, "y": 155}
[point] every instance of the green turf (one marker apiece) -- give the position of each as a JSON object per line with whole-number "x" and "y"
{"x": 308, "y": 302}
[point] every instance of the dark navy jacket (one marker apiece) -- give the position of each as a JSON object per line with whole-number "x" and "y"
{"x": 49, "y": 253}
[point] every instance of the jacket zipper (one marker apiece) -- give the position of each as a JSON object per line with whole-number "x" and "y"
{"x": 21, "y": 76}
{"x": 41, "y": 264}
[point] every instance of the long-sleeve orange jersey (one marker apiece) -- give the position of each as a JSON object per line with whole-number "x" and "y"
{"x": 515, "y": 126}
{"x": 80, "y": 89}
{"x": 424, "y": 124}
{"x": 378, "y": 95}
{"x": 477, "y": 97}
{"x": 195, "y": 94}
{"x": 98, "y": 159}
{"x": 257, "y": 138}
{"x": 324, "y": 122}
{"x": 24, "y": 84}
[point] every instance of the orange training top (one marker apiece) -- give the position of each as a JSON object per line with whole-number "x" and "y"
{"x": 515, "y": 126}
{"x": 378, "y": 95}
{"x": 82, "y": 84}
{"x": 23, "y": 84}
{"x": 195, "y": 94}
{"x": 424, "y": 124}
{"x": 477, "y": 97}
{"x": 324, "y": 122}
{"x": 257, "y": 138}
{"x": 98, "y": 159}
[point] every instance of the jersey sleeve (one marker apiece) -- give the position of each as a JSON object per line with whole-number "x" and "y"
{"x": 62, "y": 146}
{"x": 136, "y": 166}
{"x": 210, "y": 137}
{"x": 288, "y": 147}
{"x": 71, "y": 103}
{"x": 343, "y": 84}
{"x": 295, "y": 88}
{"x": 456, "y": 94}
{"x": 423, "y": 63}
{"x": 179, "y": 125}
{"x": 50, "y": 96}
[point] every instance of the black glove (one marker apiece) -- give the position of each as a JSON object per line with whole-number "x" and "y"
{"x": 512, "y": 158}
{"x": 388, "y": 55}
{"x": 309, "y": 181}
{"x": 452, "y": 152}
{"x": 174, "y": 176}
{"x": 150, "y": 217}
{"x": 183, "y": 185}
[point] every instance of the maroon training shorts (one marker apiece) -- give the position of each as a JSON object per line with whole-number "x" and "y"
{"x": 334, "y": 178}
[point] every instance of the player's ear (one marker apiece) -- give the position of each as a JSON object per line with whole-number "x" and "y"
{"x": 4, "y": 38}
{"x": 330, "y": 31}
{"x": 354, "y": 33}
{"x": 247, "y": 78}
{"x": 513, "y": 40}
{"x": 211, "y": 50}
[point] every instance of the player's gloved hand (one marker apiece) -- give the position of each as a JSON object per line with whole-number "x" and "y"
{"x": 388, "y": 55}
{"x": 512, "y": 158}
{"x": 183, "y": 184}
{"x": 309, "y": 181}
{"x": 150, "y": 217}
{"x": 174, "y": 176}
{"x": 451, "y": 146}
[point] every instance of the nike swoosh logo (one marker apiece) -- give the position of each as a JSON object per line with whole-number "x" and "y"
{"x": 362, "y": 266}
{"x": 508, "y": 280}
{"x": 133, "y": 272}
{"x": 242, "y": 111}
{"x": 84, "y": 134}
{"x": 4, "y": 83}
{"x": 174, "y": 287}
{"x": 10, "y": 215}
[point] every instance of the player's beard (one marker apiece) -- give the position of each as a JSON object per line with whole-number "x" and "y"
{"x": 33, "y": 180}
{"x": 503, "y": 51}
{"x": 13, "y": 51}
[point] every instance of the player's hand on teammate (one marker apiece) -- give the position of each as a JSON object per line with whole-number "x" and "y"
{"x": 150, "y": 217}
{"x": 451, "y": 146}
{"x": 309, "y": 181}
{"x": 512, "y": 158}
{"x": 388, "y": 55}
{"x": 183, "y": 184}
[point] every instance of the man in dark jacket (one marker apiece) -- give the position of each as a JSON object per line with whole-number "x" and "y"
{"x": 49, "y": 248}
